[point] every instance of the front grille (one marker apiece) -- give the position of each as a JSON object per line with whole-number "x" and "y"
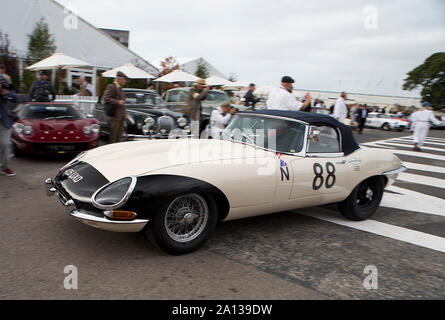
{"x": 165, "y": 122}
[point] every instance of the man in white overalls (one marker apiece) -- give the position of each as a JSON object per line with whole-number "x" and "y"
{"x": 420, "y": 123}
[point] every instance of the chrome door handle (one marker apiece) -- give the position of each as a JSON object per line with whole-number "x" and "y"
{"x": 341, "y": 162}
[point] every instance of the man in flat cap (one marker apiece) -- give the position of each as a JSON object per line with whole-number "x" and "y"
{"x": 283, "y": 98}
{"x": 114, "y": 99}
{"x": 193, "y": 108}
{"x": 41, "y": 89}
{"x": 219, "y": 119}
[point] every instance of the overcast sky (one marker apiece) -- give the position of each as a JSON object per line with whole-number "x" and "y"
{"x": 323, "y": 45}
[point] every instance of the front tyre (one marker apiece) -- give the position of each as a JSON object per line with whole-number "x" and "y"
{"x": 364, "y": 200}
{"x": 183, "y": 223}
{"x": 386, "y": 127}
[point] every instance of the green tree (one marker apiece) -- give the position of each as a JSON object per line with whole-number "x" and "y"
{"x": 41, "y": 43}
{"x": 202, "y": 72}
{"x": 8, "y": 57}
{"x": 431, "y": 77}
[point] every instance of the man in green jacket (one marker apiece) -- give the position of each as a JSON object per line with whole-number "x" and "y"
{"x": 193, "y": 108}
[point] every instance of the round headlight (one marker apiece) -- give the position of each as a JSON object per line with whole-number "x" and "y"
{"x": 87, "y": 130}
{"x": 149, "y": 121}
{"x": 27, "y": 130}
{"x": 95, "y": 128}
{"x": 18, "y": 127}
{"x": 182, "y": 122}
{"x": 187, "y": 128}
{"x": 115, "y": 194}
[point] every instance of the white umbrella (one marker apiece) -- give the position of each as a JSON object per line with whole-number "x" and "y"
{"x": 217, "y": 81}
{"x": 58, "y": 60}
{"x": 178, "y": 76}
{"x": 238, "y": 84}
{"x": 131, "y": 71}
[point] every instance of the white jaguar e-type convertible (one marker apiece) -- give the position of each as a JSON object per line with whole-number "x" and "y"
{"x": 177, "y": 190}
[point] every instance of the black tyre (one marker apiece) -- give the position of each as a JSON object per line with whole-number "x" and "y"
{"x": 386, "y": 127}
{"x": 183, "y": 223}
{"x": 364, "y": 200}
{"x": 401, "y": 129}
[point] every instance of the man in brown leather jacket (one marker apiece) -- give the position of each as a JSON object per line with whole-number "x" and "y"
{"x": 114, "y": 95}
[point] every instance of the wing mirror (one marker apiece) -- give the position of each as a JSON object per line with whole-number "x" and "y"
{"x": 315, "y": 136}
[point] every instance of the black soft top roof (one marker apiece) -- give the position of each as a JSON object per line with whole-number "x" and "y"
{"x": 349, "y": 145}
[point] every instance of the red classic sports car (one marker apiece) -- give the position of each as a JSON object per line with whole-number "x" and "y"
{"x": 54, "y": 128}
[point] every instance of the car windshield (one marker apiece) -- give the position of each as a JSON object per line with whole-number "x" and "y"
{"x": 279, "y": 135}
{"x": 143, "y": 99}
{"x": 51, "y": 111}
{"x": 217, "y": 96}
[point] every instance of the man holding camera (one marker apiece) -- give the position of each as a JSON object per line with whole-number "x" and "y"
{"x": 7, "y": 118}
{"x": 193, "y": 109}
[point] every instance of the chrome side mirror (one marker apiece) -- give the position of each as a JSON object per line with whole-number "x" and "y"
{"x": 315, "y": 136}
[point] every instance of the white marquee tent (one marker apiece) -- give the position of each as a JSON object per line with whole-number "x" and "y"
{"x": 73, "y": 36}
{"x": 191, "y": 65}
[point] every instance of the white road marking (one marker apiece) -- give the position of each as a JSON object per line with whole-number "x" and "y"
{"x": 411, "y": 143}
{"x": 423, "y": 167}
{"x": 419, "y": 179}
{"x": 382, "y": 229}
{"x": 432, "y": 139}
{"x": 413, "y": 201}
{"x": 408, "y": 146}
{"x": 409, "y": 153}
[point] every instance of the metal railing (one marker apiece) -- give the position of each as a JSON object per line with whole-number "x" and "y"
{"x": 84, "y": 103}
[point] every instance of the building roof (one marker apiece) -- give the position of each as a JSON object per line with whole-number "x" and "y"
{"x": 86, "y": 42}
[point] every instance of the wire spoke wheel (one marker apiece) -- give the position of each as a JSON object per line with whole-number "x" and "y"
{"x": 186, "y": 217}
{"x": 365, "y": 195}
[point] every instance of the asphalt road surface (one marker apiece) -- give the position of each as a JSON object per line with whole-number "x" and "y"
{"x": 307, "y": 254}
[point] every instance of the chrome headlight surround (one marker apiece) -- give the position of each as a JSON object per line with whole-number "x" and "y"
{"x": 95, "y": 128}
{"x": 149, "y": 121}
{"x": 27, "y": 130}
{"x": 182, "y": 122}
{"x": 18, "y": 127}
{"x": 125, "y": 194}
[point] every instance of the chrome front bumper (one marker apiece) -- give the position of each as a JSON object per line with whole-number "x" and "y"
{"x": 107, "y": 224}
{"x": 396, "y": 171}
{"x": 92, "y": 219}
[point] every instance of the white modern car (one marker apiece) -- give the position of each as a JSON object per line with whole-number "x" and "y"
{"x": 386, "y": 121}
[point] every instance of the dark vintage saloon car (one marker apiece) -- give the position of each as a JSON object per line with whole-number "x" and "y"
{"x": 147, "y": 114}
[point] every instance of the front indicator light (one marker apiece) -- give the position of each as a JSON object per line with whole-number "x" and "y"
{"x": 120, "y": 215}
